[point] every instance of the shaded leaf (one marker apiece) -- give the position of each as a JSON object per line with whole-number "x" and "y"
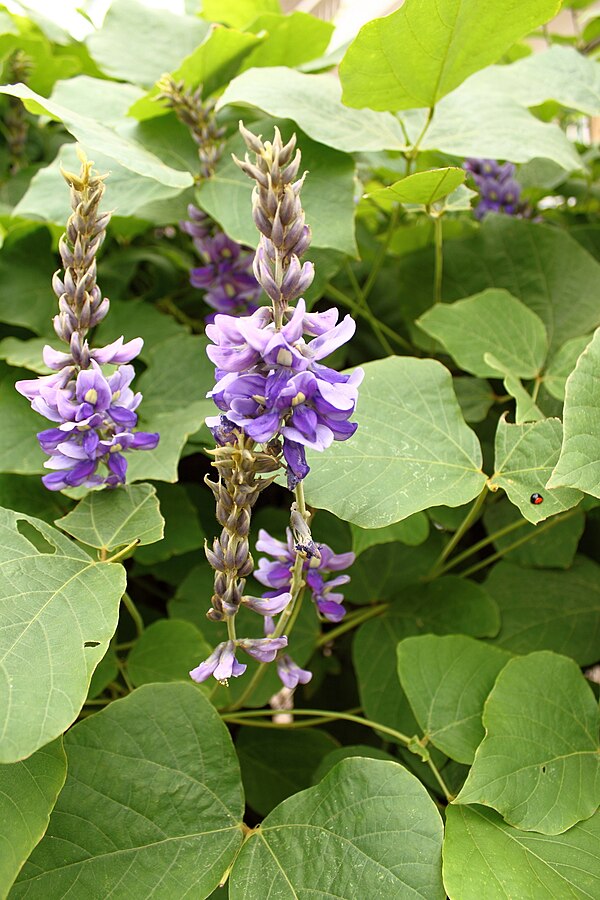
{"x": 557, "y": 611}
{"x": 53, "y": 599}
{"x": 524, "y": 864}
{"x": 183, "y": 531}
{"x": 113, "y": 518}
{"x": 475, "y": 397}
{"x": 412, "y": 531}
{"x": 554, "y": 548}
{"x": 442, "y": 44}
{"x": 26, "y": 263}
{"x": 368, "y": 830}
{"x": 166, "y": 651}
{"x": 153, "y": 786}
{"x": 412, "y": 448}
{"x": 579, "y": 463}
{"x": 20, "y": 451}
{"x": 562, "y": 364}
{"x": 366, "y": 751}
{"x": 525, "y": 457}
{"x": 28, "y": 791}
{"x": 447, "y": 680}
{"x": 538, "y": 764}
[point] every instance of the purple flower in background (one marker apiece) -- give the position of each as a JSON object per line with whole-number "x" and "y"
{"x": 223, "y": 665}
{"x": 499, "y": 192}
{"x": 291, "y": 674}
{"x": 93, "y": 414}
{"x": 276, "y": 573}
{"x": 226, "y": 276}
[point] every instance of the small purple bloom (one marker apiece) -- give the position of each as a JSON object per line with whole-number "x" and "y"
{"x": 221, "y": 663}
{"x": 291, "y": 674}
{"x": 268, "y": 606}
{"x": 263, "y": 649}
{"x": 499, "y": 192}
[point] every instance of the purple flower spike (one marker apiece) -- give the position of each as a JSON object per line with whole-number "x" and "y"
{"x": 221, "y": 663}
{"x": 291, "y": 674}
{"x": 263, "y": 649}
{"x": 498, "y": 190}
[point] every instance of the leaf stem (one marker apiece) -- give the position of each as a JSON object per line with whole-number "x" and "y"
{"x": 414, "y": 150}
{"x": 133, "y": 612}
{"x": 121, "y": 553}
{"x": 320, "y": 714}
{"x": 490, "y": 539}
{"x": 460, "y": 531}
{"x": 351, "y": 621}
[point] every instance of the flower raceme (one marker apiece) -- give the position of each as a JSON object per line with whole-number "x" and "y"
{"x": 499, "y": 192}
{"x": 272, "y": 382}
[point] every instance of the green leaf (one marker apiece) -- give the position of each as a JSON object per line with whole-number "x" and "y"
{"x": 327, "y": 195}
{"x": 277, "y": 764}
{"x": 538, "y": 764}
{"x": 166, "y": 651}
{"x": 412, "y": 448}
{"x": 314, "y": 103}
{"x": 369, "y": 829}
{"x": 447, "y": 680}
{"x": 524, "y": 864}
{"x": 19, "y": 449}
{"x": 423, "y": 188}
{"x": 492, "y": 321}
{"x": 412, "y": 531}
{"x": 579, "y": 463}
{"x": 111, "y": 98}
{"x": 174, "y": 428}
{"x": 526, "y": 409}
{"x": 554, "y": 548}
{"x": 442, "y": 43}
{"x": 139, "y": 318}
{"x": 26, "y": 354}
{"x": 562, "y": 364}
{"x": 380, "y": 572}
{"x": 111, "y": 519}
{"x": 137, "y": 43}
{"x": 557, "y": 611}
{"x": 525, "y": 457}
{"x": 212, "y": 64}
{"x": 238, "y": 13}
{"x": 183, "y": 531}
{"x": 445, "y": 606}
{"x": 291, "y": 39}
{"x": 475, "y": 397}
{"x": 153, "y": 787}
{"x": 25, "y": 264}
{"x": 28, "y": 791}
{"x": 99, "y": 138}
{"x": 67, "y": 612}
{"x": 28, "y": 495}
{"x": 366, "y": 751}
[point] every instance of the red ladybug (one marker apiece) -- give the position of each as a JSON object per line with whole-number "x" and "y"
{"x": 536, "y": 499}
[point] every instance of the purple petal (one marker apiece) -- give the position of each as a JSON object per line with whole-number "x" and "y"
{"x": 268, "y": 606}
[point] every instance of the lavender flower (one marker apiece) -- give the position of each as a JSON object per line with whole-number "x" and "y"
{"x": 276, "y": 573}
{"x": 290, "y": 672}
{"x": 93, "y": 413}
{"x": 226, "y": 276}
{"x": 223, "y": 665}
{"x": 498, "y": 189}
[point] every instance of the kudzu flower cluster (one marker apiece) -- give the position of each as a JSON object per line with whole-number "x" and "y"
{"x": 93, "y": 411}
{"x": 273, "y": 389}
{"x": 499, "y": 192}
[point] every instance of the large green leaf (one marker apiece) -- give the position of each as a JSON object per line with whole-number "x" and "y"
{"x": 554, "y": 548}
{"x": 412, "y": 449}
{"x": 277, "y": 764}
{"x": 423, "y": 188}
{"x": 152, "y": 803}
{"x": 137, "y": 43}
{"x": 238, "y": 13}
{"x": 524, "y": 865}
{"x": 381, "y": 572}
{"x": 290, "y": 40}
{"x": 412, "y": 531}
{"x": 98, "y": 138}
{"x": 557, "y": 611}
{"x": 368, "y": 830}
{"x": 420, "y": 53}
{"x": 112, "y": 99}
{"x": 490, "y": 322}
{"x": 367, "y": 751}
{"x": 539, "y": 764}
{"x": 447, "y": 680}
{"x": 28, "y": 791}
{"x": 109, "y": 519}
{"x": 59, "y": 609}
{"x": 26, "y": 263}
{"x": 562, "y": 364}
{"x": 167, "y": 651}
{"x": 314, "y": 103}
{"x": 183, "y": 531}
{"x": 445, "y": 606}
{"x": 20, "y": 451}
{"x": 525, "y": 457}
{"x": 579, "y": 463}
{"x": 327, "y": 195}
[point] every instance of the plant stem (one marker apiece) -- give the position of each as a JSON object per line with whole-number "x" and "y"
{"x": 438, "y": 236}
{"x": 414, "y": 150}
{"x": 351, "y": 621}
{"x": 327, "y": 714}
{"x": 460, "y": 531}
{"x": 490, "y": 539}
{"x": 380, "y": 258}
{"x": 231, "y": 628}
{"x": 133, "y": 612}
{"x": 121, "y": 553}
{"x": 495, "y": 556}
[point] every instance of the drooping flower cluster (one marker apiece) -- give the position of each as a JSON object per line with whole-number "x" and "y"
{"x": 499, "y": 192}
{"x": 226, "y": 277}
{"x": 276, "y": 573}
{"x": 93, "y": 412}
{"x": 273, "y": 390}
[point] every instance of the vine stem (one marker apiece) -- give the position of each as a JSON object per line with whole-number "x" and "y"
{"x": 351, "y": 621}
{"x": 133, "y": 612}
{"x": 367, "y": 314}
{"x": 460, "y": 531}
{"x": 121, "y": 553}
{"x": 414, "y": 150}
{"x": 438, "y": 236}
{"x": 475, "y": 548}
{"x": 245, "y": 718}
